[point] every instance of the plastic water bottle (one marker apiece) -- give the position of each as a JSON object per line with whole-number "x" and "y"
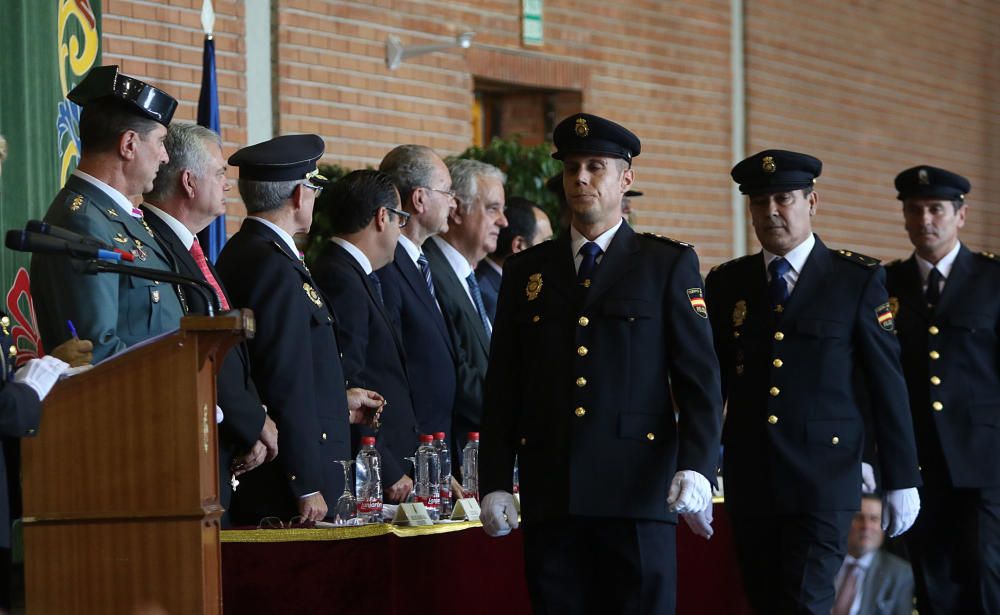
{"x": 470, "y": 466}
{"x": 368, "y": 481}
{"x": 427, "y": 477}
{"x": 444, "y": 455}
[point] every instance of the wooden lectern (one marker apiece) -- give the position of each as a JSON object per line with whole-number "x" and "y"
{"x": 121, "y": 485}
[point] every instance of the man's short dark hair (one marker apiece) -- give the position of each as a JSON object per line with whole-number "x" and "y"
{"x": 520, "y": 214}
{"x": 103, "y": 122}
{"x": 356, "y": 197}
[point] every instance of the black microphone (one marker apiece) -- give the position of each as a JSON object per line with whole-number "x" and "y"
{"x": 38, "y": 226}
{"x": 26, "y": 241}
{"x": 201, "y": 286}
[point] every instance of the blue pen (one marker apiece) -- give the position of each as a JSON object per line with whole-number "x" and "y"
{"x": 72, "y": 329}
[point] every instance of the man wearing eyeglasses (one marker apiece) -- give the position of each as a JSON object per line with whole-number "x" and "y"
{"x": 366, "y": 220}
{"x": 294, "y": 354}
{"x": 473, "y": 228}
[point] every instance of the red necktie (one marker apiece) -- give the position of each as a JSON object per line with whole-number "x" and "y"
{"x": 199, "y": 257}
{"x": 846, "y": 592}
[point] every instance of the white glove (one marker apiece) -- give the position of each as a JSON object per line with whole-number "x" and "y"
{"x": 689, "y": 492}
{"x": 41, "y": 374}
{"x": 899, "y": 510}
{"x": 700, "y": 523}
{"x": 867, "y": 478}
{"x": 498, "y": 513}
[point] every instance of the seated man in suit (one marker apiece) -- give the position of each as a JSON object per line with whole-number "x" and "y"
{"x": 472, "y": 233}
{"x": 366, "y": 221}
{"x": 527, "y": 225}
{"x": 188, "y": 194}
{"x": 872, "y": 581}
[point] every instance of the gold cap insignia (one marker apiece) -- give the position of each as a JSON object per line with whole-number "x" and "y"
{"x": 312, "y": 294}
{"x": 582, "y": 130}
{"x": 768, "y": 164}
{"x": 923, "y": 178}
{"x": 739, "y": 313}
{"x": 76, "y": 204}
{"x": 534, "y": 286}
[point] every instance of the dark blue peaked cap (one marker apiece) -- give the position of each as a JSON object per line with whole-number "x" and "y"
{"x": 106, "y": 82}
{"x": 284, "y": 158}
{"x": 931, "y": 183}
{"x": 590, "y": 134}
{"x": 776, "y": 170}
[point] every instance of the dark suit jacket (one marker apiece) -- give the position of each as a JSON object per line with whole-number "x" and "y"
{"x": 426, "y": 341}
{"x": 235, "y": 391}
{"x": 489, "y": 287}
{"x": 583, "y": 383}
{"x": 471, "y": 344}
{"x": 296, "y": 366}
{"x": 373, "y": 356}
{"x": 20, "y": 415}
{"x": 964, "y": 329}
{"x": 794, "y": 430}
{"x": 888, "y": 587}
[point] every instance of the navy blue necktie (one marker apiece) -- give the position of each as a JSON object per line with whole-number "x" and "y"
{"x": 425, "y": 268}
{"x": 477, "y": 298}
{"x": 377, "y": 284}
{"x": 933, "y": 293}
{"x": 590, "y": 252}
{"x": 777, "y": 290}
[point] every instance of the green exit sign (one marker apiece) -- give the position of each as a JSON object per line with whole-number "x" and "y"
{"x": 531, "y": 22}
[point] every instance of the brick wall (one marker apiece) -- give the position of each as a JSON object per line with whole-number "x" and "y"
{"x": 868, "y": 86}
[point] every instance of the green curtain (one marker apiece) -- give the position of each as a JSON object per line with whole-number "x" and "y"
{"x": 45, "y": 49}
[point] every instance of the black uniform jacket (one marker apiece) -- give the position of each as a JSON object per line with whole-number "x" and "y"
{"x": 373, "y": 356}
{"x": 296, "y": 366}
{"x": 794, "y": 431}
{"x": 951, "y": 358}
{"x": 583, "y": 384}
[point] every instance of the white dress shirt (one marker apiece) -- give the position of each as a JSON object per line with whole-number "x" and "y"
{"x": 943, "y": 266}
{"x": 796, "y": 258}
{"x": 354, "y": 251}
{"x": 576, "y": 241}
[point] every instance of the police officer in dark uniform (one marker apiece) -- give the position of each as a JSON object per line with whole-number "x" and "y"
{"x": 601, "y": 339}
{"x": 946, "y": 303}
{"x": 792, "y": 324}
{"x": 294, "y": 355}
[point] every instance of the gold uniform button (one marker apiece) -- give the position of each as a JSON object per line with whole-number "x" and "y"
{"x": 933, "y": 330}
{"x": 772, "y": 420}
{"x": 938, "y": 406}
{"x": 292, "y": 477}
{"x": 323, "y": 435}
{"x": 935, "y": 355}
{"x": 524, "y": 441}
{"x": 736, "y": 334}
{"x": 778, "y": 336}
{"x": 583, "y": 321}
{"x": 581, "y": 381}
{"x": 777, "y": 362}
{"x": 775, "y": 391}
{"x": 582, "y": 351}
{"x": 835, "y": 440}
{"x": 935, "y": 380}
{"x": 579, "y": 411}
{"x": 651, "y": 436}
{"x": 536, "y": 318}
{"x": 31, "y": 432}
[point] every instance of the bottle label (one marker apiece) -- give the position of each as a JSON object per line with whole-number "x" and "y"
{"x": 431, "y": 502}
{"x": 368, "y": 506}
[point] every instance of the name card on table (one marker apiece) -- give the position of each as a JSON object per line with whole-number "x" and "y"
{"x": 412, "y": 513}
{"x": 466, "y": 508}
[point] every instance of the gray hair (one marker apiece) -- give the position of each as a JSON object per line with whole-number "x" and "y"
{"x": 261, "y": 196}
{"x": 409, "y": 166}
{"x": 187, "y": 146}
{"x": 465, "y": 176}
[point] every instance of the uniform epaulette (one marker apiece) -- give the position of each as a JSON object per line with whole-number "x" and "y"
{"x": 860, "y": 259}
{"x": 728, "y": 263}
{"x": 989, "y": 256}
{"x": 675, "y": 242}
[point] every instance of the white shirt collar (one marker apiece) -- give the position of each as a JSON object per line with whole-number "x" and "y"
{"x": 796, "y": 257}
{"x": 354, "y": 251}
{"x": 120, "y": 199}
{"x": 493, "y": 265}
{"x": 603, "y": 240}
{"x": 289, "y": 241}
{"x": 864, "y": 562}
{"x": 461, "y": 267}
{"x": 944, "y": 265}
{"x": 186, "y": 236}
{"x": 411, "y": 248}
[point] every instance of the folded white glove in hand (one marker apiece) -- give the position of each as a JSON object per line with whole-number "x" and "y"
{"x": 689, "y": 492}
{"x": 41, "y": 374}
{"x": 867, "y": 478}
{"x": 700, "y": 523}
{"x": 498, "y": 513}
{"x": 899, "y": 510}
